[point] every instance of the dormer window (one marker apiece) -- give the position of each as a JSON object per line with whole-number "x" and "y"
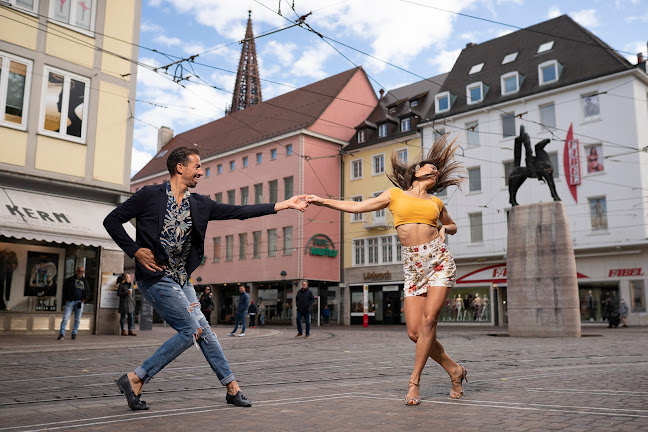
{"x": 475, "y": 92}
{"x": 406, "y": 124}
{"x": 545, "y": 47}
{"x": 442, "y": 102}
{"x": 392, "y": 110}
{"x": 476, "y": 68}
{"x": 361, "y": 136}
{"x": 511, "y": 83}
{"x": 549, "y": 72}
{"x": 509, "y": 58}
{"x": 414, "y": 103}
{"x": 382, "y": 130}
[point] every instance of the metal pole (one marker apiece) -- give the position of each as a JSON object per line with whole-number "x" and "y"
{"x": 318, "y": 311}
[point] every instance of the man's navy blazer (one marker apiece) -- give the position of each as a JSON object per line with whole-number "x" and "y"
{"x": 148, "y": 206}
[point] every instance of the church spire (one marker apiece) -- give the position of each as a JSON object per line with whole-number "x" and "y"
{"x": 247, "y": 89}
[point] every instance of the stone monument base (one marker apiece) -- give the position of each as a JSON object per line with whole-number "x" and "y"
{"x": 542, "y": 289}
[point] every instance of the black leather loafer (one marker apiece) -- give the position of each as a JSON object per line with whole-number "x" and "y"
{"x": 134, "y": 402}
{"x": 238, "y": 399}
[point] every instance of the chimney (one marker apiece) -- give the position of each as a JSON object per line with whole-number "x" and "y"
{"x": 640, "y": 58}
{"x": 382, "y": 92}
{"x": 470, "y": 44}
{"x": 165, "y": 135}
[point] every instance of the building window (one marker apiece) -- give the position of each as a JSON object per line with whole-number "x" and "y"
{"x": 508, "y": 125}
{"x": 289, "y": 150}
{"x": 232, "y": 165}
{"x": 245, "y": 162}
{"x": 399, "y": 249}
{"x": 382, "y": 130}
{"x": 387, "y": 254}
{"x": 259, "y": 157}
{"x": 508, "y": 167}
{"x": 78, "y": 13}
{"x": 406, "y": 124}
{"x": 378, "y": 165}
{"x": 402, "y": 155}
{"x": 356, "y": 217}
{"x": 476, "y": 230}
{"x": 475, "y": 93}
{"x": 28, "y": 5}
{"x": 549, "y": 72}
{"x": 274, "y": 190}
{"x": 15, "y": 82}
{"x": 509, "y": 58}
{"x": 476, "y": 68}
{"x": 438, "y": 133}
{"x": 442, "y": 193}
{"x": 594, "y": 159}
{"x": 472, "y": 134}
{"x": 229, "y": 247}
{"x": 258, "y": 193}
{"x": 637, "y": 296}
{"x": 548, "y": 116}
{"x": 553, "y": 157}
{"x": 361, "y": 136}
{"x": 372, "y": 250}
{"x": 231, "y": 197}
{"x": 287, "y": 240}
{"x": 242, "y": 245}
{"x": 591, "y": 107}
{"x": 217, "y": 245}
{"x": 273, "y": 154}
{"x": 65, "y": 93}
{"x": 207, "y": 171}
{"x": 288, "y": 187}
{"x": 256, "y": 248}
{"x": 358, "y": 252}
{"x": 356, "y": 169}
{"x": 598, "y": 213}
{"x": 272, "y": 242}
{"x": 218, "y": 197}
{"x": 378, "y": 215}
{"x": 545, "y": 47}
{"x": 219, "y": 169}
{"x": 510, "y": 83}
{"x": 414, "y": 103}
{"x": 244, "y": 195}
{"x": 474, "y": 179}
{"x": 442, "y": 102}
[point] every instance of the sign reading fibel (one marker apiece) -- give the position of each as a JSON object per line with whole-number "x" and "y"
{"x": 321, "y": 245}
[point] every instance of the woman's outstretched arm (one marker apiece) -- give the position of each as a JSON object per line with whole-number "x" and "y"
{"x": 448, "y": 226}
{"x": 372, "y": 204}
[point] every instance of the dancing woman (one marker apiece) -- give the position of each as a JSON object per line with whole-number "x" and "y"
{"x": 428, "y": 267}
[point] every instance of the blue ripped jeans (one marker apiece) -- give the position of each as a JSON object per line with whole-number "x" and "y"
{"x": 179, "y": 307}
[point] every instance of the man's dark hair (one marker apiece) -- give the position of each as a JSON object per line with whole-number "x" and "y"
{"x": 179, "y": 156}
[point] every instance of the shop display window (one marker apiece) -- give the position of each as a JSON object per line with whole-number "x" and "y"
{"x": 471, "y": 304}
{"x": 637, "y": 296}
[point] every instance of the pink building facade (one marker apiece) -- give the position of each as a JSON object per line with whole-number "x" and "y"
{"x": 299, "y": 136}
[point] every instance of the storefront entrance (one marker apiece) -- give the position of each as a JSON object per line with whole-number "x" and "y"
{"x": 597, "y": 300}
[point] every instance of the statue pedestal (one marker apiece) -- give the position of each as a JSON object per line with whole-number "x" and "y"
{"x": 542, "y": 289}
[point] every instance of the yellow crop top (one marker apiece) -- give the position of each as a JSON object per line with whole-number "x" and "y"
{"x": 409, "y": 209}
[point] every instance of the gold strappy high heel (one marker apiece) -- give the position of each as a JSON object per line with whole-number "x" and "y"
{"x": 459, "y": 394}
{"x": 412, "y": 401}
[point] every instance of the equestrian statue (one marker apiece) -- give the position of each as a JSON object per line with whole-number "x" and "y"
{"x": 538, "y": 166}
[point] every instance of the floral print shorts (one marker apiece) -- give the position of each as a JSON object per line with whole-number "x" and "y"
{"x": 428, "y": 265}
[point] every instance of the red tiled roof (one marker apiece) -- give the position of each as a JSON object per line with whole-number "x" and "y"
{"x": 286, "y": 113}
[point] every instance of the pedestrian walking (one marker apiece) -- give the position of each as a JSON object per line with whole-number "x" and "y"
{"x": 623, "y": 312}
{"x": 304, "y": 300}
{"x": 126, "y": 305}
{"x": 326, "y": 313}
{"x": 252, "y": 311}
{"x": 241, "y": 311}
{"x": 422, "y": 222}
{"x": 75, "y": 294}
{"x": 262, "y": 313}
{"x": 171, "y": 224}
{"x": 207, "y": 304}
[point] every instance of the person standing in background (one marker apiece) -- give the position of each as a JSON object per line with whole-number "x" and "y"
{"x": 126, "y": 305}
{"x": 207, "y": 304}
{"x": 75, "y": 294}
{"x": 304, "y": 300}
{"x": 241, "y": 311}
{"x": 262, "y": 311}
{"x": 252, "y": 311}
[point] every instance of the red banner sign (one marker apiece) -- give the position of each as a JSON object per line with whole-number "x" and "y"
{"x": 571, "y": 161}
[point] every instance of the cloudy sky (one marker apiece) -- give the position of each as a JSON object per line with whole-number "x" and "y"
{"x": 396, "y": 41}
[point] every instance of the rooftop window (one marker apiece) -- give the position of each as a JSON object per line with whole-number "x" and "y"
{"x": 545, "y": 47}
{"x": 476, "y": 68}
{"x": 549, "y": 72}
{"x": 475, "y": 93}
{"x": 509, "y": 58}
{"x": 442, "y": 102}
{"x": 511, "y": 83}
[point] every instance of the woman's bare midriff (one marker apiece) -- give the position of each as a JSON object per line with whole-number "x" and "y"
{"x": 414, "y": 234}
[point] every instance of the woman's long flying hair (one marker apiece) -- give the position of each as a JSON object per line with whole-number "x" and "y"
{"x": 441, "y": 155}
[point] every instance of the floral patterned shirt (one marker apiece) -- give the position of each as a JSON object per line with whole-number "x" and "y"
{"x": 176, "y": 236}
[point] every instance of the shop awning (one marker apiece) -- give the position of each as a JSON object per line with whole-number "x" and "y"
{"x": 35, "y": 216}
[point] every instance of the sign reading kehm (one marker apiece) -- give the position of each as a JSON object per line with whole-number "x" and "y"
{"x": 321, "y": 245}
